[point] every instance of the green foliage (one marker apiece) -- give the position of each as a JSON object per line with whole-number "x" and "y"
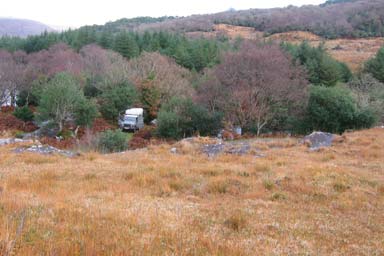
{"x": 333, "y": 109}
{"x": 168, "y": 125}
{"x": 26, "y": 97}
{"x": 60, "y": 99}
{"x": 365, "y": 118}
{"x": 66, "y": 134}
{"x": 126, "y": 45}
{"x": 117, "y": 99}
{"x": 329, "y": 2}
{"x": 31, "y": 95}
{"x": 375, "y": 66}
{"x": 194, "y": 54}
{"x": 19, "y": 134}
{"x": 84, "y": 35}
{"x": 24, "y": 113}
{"x": 182, "y": 118}
{"x": 85, "y": 112}
{"x": 322, "y": 69}
{"x": 346, "y": 73}
{"x": 112, "y": 141}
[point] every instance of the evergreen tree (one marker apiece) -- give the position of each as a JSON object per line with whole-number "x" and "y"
{"x": 375, "y": 66}
{"x": 126, "y": 45}
{"x": 105, "y": 40}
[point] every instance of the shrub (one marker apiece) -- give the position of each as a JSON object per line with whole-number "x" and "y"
{"x": 112, "y": 141}
{"x": 278, "y": 196}
{"x": 168, "y": 125}
{"x": 117, "y": 99}
{"x": 268, "y": 184}
{"x": 322, "y": 68}
{"x": 24, "y": 113}
{"x": 369, "y": 94}
{"x": 142, "y": 138}
{"x": 334, "y": 110}
{"x": 375, "y": 66}
{"x": 19, "y": 134}
{"x": 340, "y": 187}
{"x": 181, "y": 117}
{"x": 236, "y": 221}
{"x": 365, "y": 118}
{"x": 85, "y": 112}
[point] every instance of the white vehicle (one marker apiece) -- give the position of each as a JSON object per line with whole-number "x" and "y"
{"x": 132, "y": 119}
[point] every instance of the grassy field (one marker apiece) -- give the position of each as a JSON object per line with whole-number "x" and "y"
{"x": 152, "y": 202}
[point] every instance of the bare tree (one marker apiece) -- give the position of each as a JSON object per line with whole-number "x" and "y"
{"x": 252, "y": 84}
{"x": 12, "y": 76}
{"x": 105, "y": 68}
{"x": 168, "y": 77}
{"x": 58, "y": 58}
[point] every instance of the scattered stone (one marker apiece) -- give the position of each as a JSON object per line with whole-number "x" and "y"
{"x": 45, "y": 130}
{"x": 227, "y": 148}
{"x": 46, "y": 150}
{"x": 213, "y": 149}
{"x": 240, "y": 149}
{"x": 318, "y": 140}
{"x": 174, "y": 150}
{"x": 260, "y": 156}
{"x": 8, "y": 141}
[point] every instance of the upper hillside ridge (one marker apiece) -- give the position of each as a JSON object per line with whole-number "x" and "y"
{"x": 333, "y": 19}
{"x": 329, "y": 2}
{"x": 22, "y": 27}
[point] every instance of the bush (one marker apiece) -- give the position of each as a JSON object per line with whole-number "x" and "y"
{"x": 182, "y": 118}
{"x": 117, "y": 99}
{"x": 333, "y": 109}
{"x": 375, "y": 66}
{"x": 24, "y": 113}
{"x": 85, "y": 112}
{"x": 19, "y": 134}
{"x": 369, "y": 94}
{"x": 112, "y": 141}
{"x": 365, "y": 118}
{"x": 322, "y": 68}
{"x": 142, "y": 138}
{"x": 168, "y": 125}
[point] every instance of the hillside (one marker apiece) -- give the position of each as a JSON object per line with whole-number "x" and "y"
{"x": 148, "y": 202}
{"x": 21, "y": 27}
{"x": 336, "y": 19}
{"x": 353, "y": 52}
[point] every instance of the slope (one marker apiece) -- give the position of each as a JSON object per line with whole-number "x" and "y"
{"x": 21, "y": 27}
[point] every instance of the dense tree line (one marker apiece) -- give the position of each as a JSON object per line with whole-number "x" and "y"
{"x": 194, "y": 54}
{"x": 258, "y": 86}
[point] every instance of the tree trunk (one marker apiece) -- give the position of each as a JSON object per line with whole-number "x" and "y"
{"x": 61, "y": 125}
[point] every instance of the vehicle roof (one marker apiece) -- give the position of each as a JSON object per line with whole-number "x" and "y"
{"x": 134, "y": 111}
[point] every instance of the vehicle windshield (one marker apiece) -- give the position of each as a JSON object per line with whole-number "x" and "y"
{"x": 130, "y": 119}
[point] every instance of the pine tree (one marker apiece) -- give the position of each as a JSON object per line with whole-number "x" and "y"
{"x": 126, "y": 45}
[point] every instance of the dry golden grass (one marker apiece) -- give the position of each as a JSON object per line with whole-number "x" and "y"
{"x": 152, "y": 202}
{"x": 353, "y": 52}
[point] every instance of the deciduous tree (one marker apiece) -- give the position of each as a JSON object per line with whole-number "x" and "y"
{"x": 253, "y": 84}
